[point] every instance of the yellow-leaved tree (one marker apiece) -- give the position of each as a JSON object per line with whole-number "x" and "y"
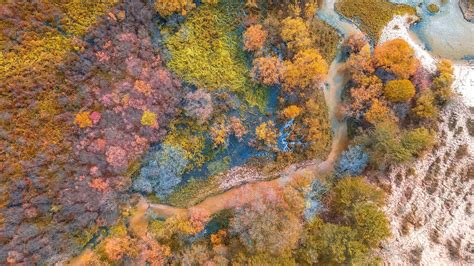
{"x": 308, "y": 67}
{"x": 295, "y": 33}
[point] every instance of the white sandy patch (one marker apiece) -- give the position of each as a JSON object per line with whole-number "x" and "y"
{"x": 398, "y": 28}
{"x": 464, "y": 83}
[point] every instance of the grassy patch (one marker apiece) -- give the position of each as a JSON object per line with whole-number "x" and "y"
{"x": 373, "y": 15}
{"x": 191, "y": 137}
{"x": 207, "y": 52}
{"x": 326, "y": 39}
{"x": 195, "y": 191}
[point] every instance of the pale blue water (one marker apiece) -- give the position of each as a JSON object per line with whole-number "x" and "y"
{"x": 446, "y": 34}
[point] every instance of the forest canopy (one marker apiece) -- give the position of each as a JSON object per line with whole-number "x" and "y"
{"x": 213, "y": 132}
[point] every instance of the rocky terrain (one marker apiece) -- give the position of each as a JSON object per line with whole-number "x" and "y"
{"x": 467, "y": 8}
{"x": 430, "y": 204}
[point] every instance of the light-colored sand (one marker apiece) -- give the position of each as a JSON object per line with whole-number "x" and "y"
{"x": 464, "y": 83}
{"x": 430, "y": 211}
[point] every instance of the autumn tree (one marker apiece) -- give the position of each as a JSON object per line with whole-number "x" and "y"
{"x": 254, "y": 37}
{"x": 317, "y": 127}
{"x": 386, "y": 143}
{"x": 422, "y": 78}
{"x": 351, "y": 191}
{"x": 383, "y": 144}
{"x": 399, "y": 90}
{"x": 168, "y": 7}
{"x": 237, "y": 128}
{"x": 443, "y": 81}
{"x": 378, "y": 112}
{"x": 198, "y": 105}
{"x": 366, "y": 90}
{"x": 264, "y": 258}
{"x": 359, "y": 64}
{"x": 219, "y": 133}
{"x": 267, "y": 70}
{"x": 356, "y": 42}
{"x": 267, "y": 225}
{"x": 396, "y": 56}
{"x": 418, "y": 140}
{"x": 445, "y": 66}
{"x": 295, "y": 33}
{"x": 325, "y": 243}
{"x": 292, "y": 111}
{"x": 115, "y": 248}
{"x": 425, "y": 106}
{"x": 266, "y": 132}
{"x": 370, "y": 223}
{"x": 361, "y": 226}
{"x": 149, "y": 119}
{"x": 308, "y": 68}
{"x": 196, "y": 254}
{"x": 83, "y": 119}
{"x": 272, "y": 26}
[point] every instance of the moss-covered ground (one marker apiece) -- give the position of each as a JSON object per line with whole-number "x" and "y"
{"x": 372, "y": 15}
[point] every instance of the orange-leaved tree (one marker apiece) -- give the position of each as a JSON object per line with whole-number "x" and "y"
{"x": 254, "y": 37}
{"x": 378, "y": 112}
{"x": 267, "y": 70}
{"x": 367, "y": 89}
{"x": 397, "y": 57}
{"x": 266, "y": 132}
{"x": 292, "y": 111}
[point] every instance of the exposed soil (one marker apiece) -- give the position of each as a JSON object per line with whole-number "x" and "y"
{"x": 467, "y": 8}
{"x": 430, "y": 204}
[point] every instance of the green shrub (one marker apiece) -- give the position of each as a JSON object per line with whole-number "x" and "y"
{"x": 418, "y": 140}
{"x": 383, "y": 144}
{"x": 351, "y": 191}
{"x": 371, "y": 224}
{"x": 433, "y": 8}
